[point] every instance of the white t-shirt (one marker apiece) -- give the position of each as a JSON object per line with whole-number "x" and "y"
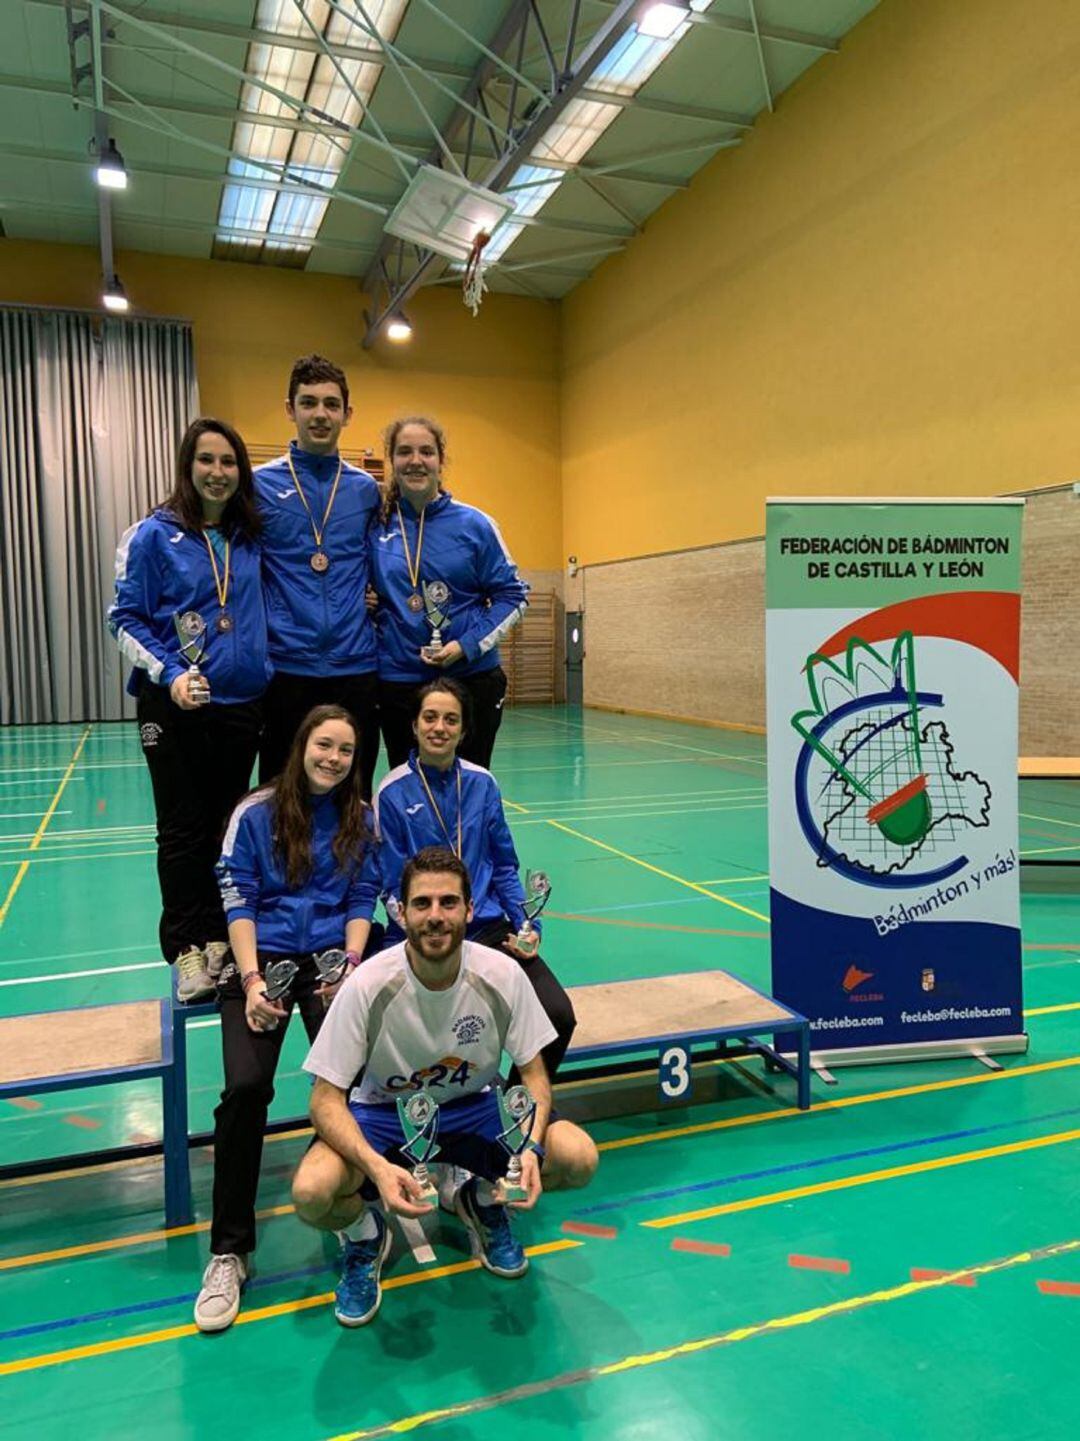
{"x": 447, "y": 1042}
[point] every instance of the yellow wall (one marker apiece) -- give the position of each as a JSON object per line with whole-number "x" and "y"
{"x": 877, "y": 293}
{"x": 492, "y": 382}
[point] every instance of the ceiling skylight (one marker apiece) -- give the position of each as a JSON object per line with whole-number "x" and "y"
{"x": 259, "y": 223}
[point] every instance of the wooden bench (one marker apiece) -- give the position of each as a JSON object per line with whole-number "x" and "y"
{"x": 664, "y": 1015}
{"x": 100, "y": 1046}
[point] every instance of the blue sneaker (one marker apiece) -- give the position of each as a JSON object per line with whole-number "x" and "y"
{"x": 490, "y": 1236}
{"x": 359, "y": 1293}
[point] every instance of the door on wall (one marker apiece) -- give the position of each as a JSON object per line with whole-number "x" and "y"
{"x": 575, "y": 656}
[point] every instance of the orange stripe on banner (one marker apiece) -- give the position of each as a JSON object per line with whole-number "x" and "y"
{"x": 700, "y": 1248}
{"x": 989, "y": 620}
{"x": 1059, "y": 1288}
{"x": 820, "y": 1263}
{"x": 926, "y": 1273}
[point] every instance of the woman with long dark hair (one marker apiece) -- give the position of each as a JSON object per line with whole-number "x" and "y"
{"x": 289, "y": 875}
{"x": 188, "y": 614}
{"x": 433, "y": 556}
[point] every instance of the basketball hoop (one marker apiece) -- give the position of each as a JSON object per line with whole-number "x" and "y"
{"x": 472, "y": 283}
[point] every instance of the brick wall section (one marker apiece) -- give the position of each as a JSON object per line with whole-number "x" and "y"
{"x": 682, "y": 635}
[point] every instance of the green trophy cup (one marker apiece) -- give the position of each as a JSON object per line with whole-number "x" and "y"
{"x": 517, "y": 1111}
{"x": 419, "y": 1117}
{"x": 537, "y": 894}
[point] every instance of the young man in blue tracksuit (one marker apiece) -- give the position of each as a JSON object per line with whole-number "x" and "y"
{"x": 188, "y": 574}
{"x": 316, "y": 512}
{"x": 430, "y": 545}
{"x": 437, "y": 799}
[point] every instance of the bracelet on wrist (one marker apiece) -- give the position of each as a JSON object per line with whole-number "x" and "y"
{"x": 248, "y": 979}
{"x": 353, "y": 959}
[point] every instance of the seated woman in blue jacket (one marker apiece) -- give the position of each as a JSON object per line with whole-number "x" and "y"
{"x": 290, "y": 883}
{"x": 188, "y": 576}
{"x": 438, "y": 799}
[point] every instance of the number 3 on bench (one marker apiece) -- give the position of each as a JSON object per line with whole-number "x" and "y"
{"x": 675, "y": 1076}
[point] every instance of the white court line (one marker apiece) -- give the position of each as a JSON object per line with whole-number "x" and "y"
{"x": 634, "y": 815}
{"x": 631, "y": 737}
{"x": 656, "y": 796}
{"x": 72, "y": 955}
{"x": 56, "y": 766}
{"x": 40, "y": 860}
{"x": 73, "y": 781}
{"x": 25, "y": 816}
{"x": 77, "y": 975}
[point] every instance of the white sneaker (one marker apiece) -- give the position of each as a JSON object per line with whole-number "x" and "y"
{"x": 218, "y": 1303}
{"x": 192, "y": 978}
{"x": 448, "y": 1182}
{"x": 215, "y": 953}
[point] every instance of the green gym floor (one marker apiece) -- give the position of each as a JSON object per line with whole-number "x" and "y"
{"x": 902, "y": 1261}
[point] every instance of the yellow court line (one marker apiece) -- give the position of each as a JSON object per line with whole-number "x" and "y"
{"x": 1053, "y": 1010}
{"x": 1050, "y": 850}
{"x": 638, "y": 1360}
{"x": 1050, "y": 820}
{"x": 837, "y": 1103}
{"x": 668, "y": 875}
{"x": 733, "y": 880}
{"x": 867, "y": 1178}
{"x": 515, "y": 807}
{"x": 24, "y": 866}
{"x": 246, "y": 1318}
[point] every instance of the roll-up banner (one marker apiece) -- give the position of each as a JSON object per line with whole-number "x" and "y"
{"x": 892, "y": 668}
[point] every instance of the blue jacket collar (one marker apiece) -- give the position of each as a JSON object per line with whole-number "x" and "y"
{"x": 320, "y": 467}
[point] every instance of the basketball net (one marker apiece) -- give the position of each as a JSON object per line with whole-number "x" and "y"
{"x": 472, "y": 285}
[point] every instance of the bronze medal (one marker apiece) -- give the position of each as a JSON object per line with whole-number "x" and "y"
{"x": 415, "y": 602}
{"x": 320, "y": 562}
{"x": 224, "y": 622}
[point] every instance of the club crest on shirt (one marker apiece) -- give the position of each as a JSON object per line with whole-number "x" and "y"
{"x": 468, "y": 1029}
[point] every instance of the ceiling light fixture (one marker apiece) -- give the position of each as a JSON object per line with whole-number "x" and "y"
{"x": 114, "y": 296}
{"x": 111, "y": 172}
{"x": 398, "y": 329}
{"x": 661, "y": 20}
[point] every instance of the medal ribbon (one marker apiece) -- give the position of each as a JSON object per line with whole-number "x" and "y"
{"x": 317, "y": 530}
{"x": 435, "y": 807}
{"x": 414, "y": 570}
{"x": 221, "y": 586}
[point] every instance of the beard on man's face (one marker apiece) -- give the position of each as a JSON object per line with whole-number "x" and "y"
{"x": 435, "y": 940}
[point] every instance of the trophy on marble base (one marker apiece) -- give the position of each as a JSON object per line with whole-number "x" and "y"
{"x": 277, "y": 981}
{"x": 537, "y": 893}
{"x": 191, "y": 633}
{"x": 419, "y": 1117}
{"x": 517, "y": 1113}
{"x": 436, "y": 594}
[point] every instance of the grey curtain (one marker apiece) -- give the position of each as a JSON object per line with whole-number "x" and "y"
{"x": 91, "y": 414}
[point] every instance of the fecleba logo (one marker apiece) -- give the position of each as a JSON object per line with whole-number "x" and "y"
{"x": 853, "y": 978}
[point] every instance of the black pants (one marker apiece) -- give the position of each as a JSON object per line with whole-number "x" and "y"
{"x": 397, "y": 707}
{"x": 250, "y": 1059}
{"x": 200, "y": 765}
{"x": 549, "y": 992}
{"x": 290, "y": 697}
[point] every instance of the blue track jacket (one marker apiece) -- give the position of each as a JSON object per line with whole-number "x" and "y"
{"x": 319, "y": 624}
{"x": 163, "y": 570}
{"x": 406, "y": 824}
{"x": 251, "y": 877}
{"x": 462, "y": 548}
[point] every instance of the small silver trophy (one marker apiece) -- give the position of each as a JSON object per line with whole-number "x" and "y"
{"x": 191, "y": 633}
{"x": 517, "y": 1112}
{"x": 537, "y": 891}
{"x": 436, "y": 594}
{"x": 277, "y": 979}
{"x": 331, "y": 966}
{"x": 419, "y": 1117}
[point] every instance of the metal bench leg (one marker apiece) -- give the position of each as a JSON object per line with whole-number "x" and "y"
{"x": 178, "y": 1209}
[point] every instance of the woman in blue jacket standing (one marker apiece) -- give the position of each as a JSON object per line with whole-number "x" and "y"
{"x": 188, "y": 614}
{"x": 290, "y": 882}
{"x": 437, "y": 799}
{"x": 433, "y": 557}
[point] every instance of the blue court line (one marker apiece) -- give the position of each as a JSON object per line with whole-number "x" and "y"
{"x": 139, "y": 1307}
{"x": 893, "y": 1147}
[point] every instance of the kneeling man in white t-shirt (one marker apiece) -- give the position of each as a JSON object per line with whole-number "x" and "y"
{"x": 433, "y": 1014}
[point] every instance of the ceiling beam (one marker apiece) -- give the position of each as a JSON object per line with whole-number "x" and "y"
{"x": 741, "y": 25}
{"x": 251, "y": 35}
